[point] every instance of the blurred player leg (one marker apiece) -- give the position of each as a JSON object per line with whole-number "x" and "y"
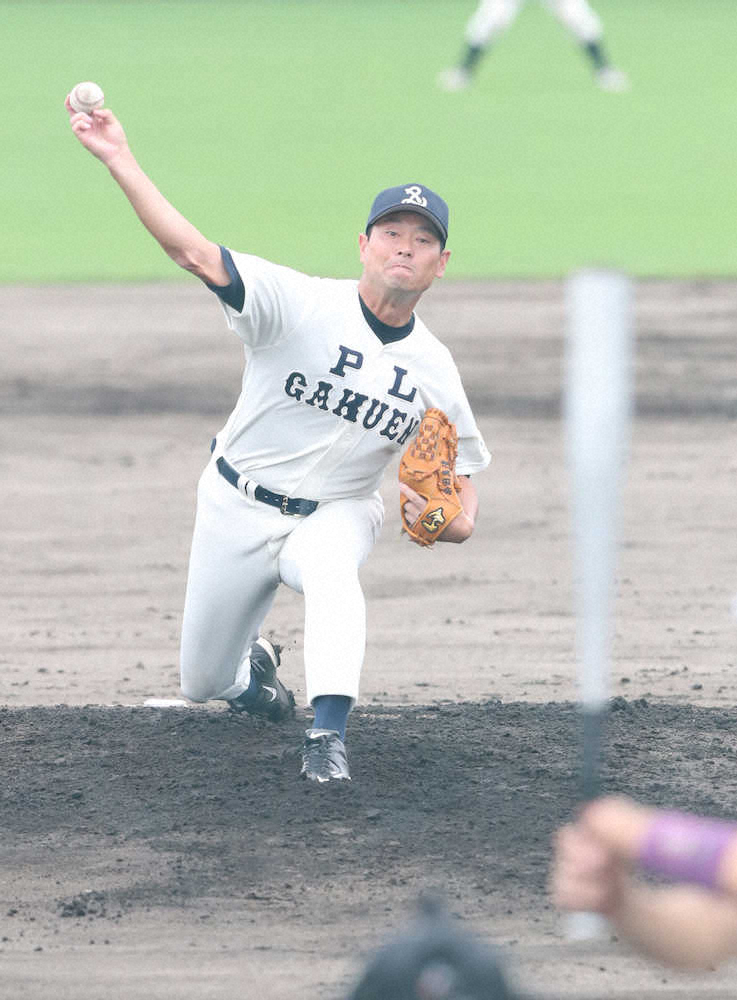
{"x": 585, "y": 25}
{"x": 489, "y": 20}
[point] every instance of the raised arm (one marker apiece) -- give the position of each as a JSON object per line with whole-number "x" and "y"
{"x": 102, "y": 134}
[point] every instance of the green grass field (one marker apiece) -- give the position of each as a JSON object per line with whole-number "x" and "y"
{"x": 272, "y": 124}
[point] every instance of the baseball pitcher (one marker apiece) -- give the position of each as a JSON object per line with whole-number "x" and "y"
{"x": 338, "y": 377}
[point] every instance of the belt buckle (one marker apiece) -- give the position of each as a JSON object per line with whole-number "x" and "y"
{"x": 284, "y": 502}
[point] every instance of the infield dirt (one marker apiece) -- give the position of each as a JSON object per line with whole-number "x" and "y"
{"x": 173, "y": 853}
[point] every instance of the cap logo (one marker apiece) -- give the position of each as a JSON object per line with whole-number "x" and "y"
{"x": 415, "y": 196}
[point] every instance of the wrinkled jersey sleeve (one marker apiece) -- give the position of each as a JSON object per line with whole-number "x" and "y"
{"x": 233, "y": 294}
{"x": 473, "y": 455}
{"x": 448, "y": 394}
{"x": 264, "y": 302}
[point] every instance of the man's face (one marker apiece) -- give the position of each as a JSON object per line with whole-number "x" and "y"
{"x": 403, "y": 252}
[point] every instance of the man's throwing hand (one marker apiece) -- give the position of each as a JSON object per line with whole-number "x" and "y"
{"x": 100, "y": 131}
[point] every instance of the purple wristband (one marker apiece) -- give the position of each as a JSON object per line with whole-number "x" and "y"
{"x": 685, "y": 848}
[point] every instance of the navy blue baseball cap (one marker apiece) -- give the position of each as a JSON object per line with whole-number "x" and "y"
{"x": 411, "y": 198}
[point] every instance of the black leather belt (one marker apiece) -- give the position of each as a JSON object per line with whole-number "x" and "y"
{"x": 287, "y": 505}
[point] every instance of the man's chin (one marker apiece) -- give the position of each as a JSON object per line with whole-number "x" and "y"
{"x": 401, "y": 278}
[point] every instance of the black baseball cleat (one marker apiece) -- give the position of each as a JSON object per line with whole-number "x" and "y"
{"x": 271, "y": 700}
{"x": 323, "y": 757}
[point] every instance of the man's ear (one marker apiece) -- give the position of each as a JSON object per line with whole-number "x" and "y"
{"x": 444, "y": 258}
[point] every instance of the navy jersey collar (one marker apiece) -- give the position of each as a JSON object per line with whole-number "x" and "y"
{"x": 386, "y": 334}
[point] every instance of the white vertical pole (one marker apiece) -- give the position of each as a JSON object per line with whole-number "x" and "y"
{"x": 597, "y": 412}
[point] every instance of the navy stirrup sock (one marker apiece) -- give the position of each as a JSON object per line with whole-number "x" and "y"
{"x": 252, "y": 690}
{"x": 331, "y": 712}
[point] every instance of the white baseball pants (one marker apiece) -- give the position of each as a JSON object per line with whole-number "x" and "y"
{"x": 242, "y": 550}
{"x": 492, "y": 17}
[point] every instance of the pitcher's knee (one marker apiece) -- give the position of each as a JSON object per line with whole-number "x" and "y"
{"x": 194, "y": 692}
{"x": 196, "y": 688}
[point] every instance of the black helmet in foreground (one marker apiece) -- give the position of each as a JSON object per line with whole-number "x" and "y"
{"x": 434, "y": 961}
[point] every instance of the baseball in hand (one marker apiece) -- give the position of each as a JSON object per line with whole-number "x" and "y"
{"x": 86, "y": 97}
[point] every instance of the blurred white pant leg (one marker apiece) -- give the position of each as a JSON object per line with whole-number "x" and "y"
{"x": 232, "y": 579}
{"x": 321, "y": 559}
{"x": 578, "y": 17}
{"x": 489, "y": 20}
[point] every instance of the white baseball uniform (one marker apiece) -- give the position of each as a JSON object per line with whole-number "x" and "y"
{"x": 491, "y": 17}
{"x": 325, "y": 405}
